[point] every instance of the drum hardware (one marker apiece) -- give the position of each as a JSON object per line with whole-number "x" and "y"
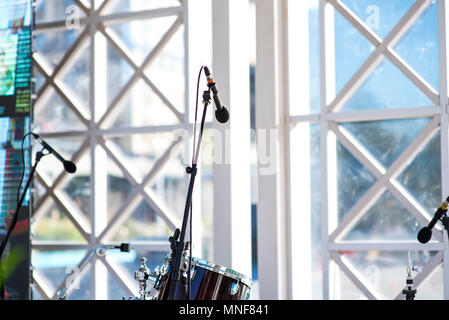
{"x": 100, "y": 251}
{"x": 410, "y": 292}
{"x": 162, "y": 274}
{"x": 209, "y": 282}
{"x": 146, "y": 278}
{"x": 234, "y": 288}
{"x": 150, "y": 282}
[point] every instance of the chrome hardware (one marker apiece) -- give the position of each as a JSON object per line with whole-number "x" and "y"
{"x": 411, "y": 268}
{"x": 235, "y": 288}
{"x": 142, "y": 275}
{"x": 100, "y": 251}
{"x": 147, "y": 280}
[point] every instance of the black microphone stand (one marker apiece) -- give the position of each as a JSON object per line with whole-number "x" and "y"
{"x": 409, "y": 292}
{"x": 39, "y": 156}
{"x": 178, "y": 247}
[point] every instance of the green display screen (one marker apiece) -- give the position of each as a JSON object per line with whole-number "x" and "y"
{"x": 15, "y": 101}
{"x": 15, "y": 57}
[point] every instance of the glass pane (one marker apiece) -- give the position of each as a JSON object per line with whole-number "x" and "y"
{"x": 78, "y": 187}
{"x": 141, "y": 151}
{"x": 54, "y": 225}
{"x": 38, "y": 188}
{"x": 116, "y": 6}
{"x": 144, "y": 108}
{"x": 77, "y": 77}
{"x": 40, "y": 79}
{"x": 351, "y": 51}
{"x": 167, "y": 70}
{"x": 119, "y": 72}
{"x": 170, "y": 186}
{"x": 143, "y": 224}
{"x": 387, "y": 88}
{"x": 115, "y": 290}
{"x": 121, "y": 260}
{"x": 35, "y": 295}
{"x": 56, "y": 10}
{"x": 387, "y": 271}
{"x": 422, "y": 177}
{"x": 381, "y": 15}
{"x": 353, "y": 180}
{"x": 132, "y": 33}
{"x": 57, "y": 266}
{"x": 119, "y": 189}
{"x": 433, "y": 287}
{"x": 386, "y": 139}
{"x": 419, "y": 46}
{"x": 387, "y": 219}
{"x": 54, "y": 45}
{"x": 347, "y": 289}
{"x": 51, "y": 114}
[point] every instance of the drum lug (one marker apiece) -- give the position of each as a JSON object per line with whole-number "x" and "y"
{"x": 248, "y": 294}
{"x": 234, "y": 288}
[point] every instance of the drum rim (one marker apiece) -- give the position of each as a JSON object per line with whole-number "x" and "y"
{"x": 222, "y": 270}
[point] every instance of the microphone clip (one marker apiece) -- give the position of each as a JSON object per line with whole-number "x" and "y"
{"x": 206, "y": 96}
{"x": 191, "y": 170}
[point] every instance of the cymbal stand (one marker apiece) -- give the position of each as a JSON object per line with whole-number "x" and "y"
{"x": 410, "y": 292}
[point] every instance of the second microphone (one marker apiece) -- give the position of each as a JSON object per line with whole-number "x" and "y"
{"x": 69, "y": 166}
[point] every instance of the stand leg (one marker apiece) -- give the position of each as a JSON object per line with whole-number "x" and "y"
{"x": 409, "y": 293}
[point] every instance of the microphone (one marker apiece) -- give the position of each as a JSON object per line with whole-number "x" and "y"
{"x": 425, "y": 233}
{"x": 221, "y": 113}
{"x": 69, "y": 166}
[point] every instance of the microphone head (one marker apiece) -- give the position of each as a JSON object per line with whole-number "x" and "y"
{"x": 206, "y": 71}
{"x": 424, "y": 235}
{"x": 69, "y": 166}
{"x": 125, "y": 247}
{"x": 222, "y": 115}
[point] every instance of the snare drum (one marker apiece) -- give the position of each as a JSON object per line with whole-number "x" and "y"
{"x": 211, "y": 282}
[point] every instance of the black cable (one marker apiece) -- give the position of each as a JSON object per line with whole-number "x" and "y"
{"x": 193, "y": 159}
{"x": 40, "y": 154}
{"x": 23, "y": 167}
{"x": 18, "y": 200}
{"x": 196, "y": 111}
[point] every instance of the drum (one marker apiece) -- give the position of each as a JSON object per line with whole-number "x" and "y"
{"x": 210, "y": 282}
